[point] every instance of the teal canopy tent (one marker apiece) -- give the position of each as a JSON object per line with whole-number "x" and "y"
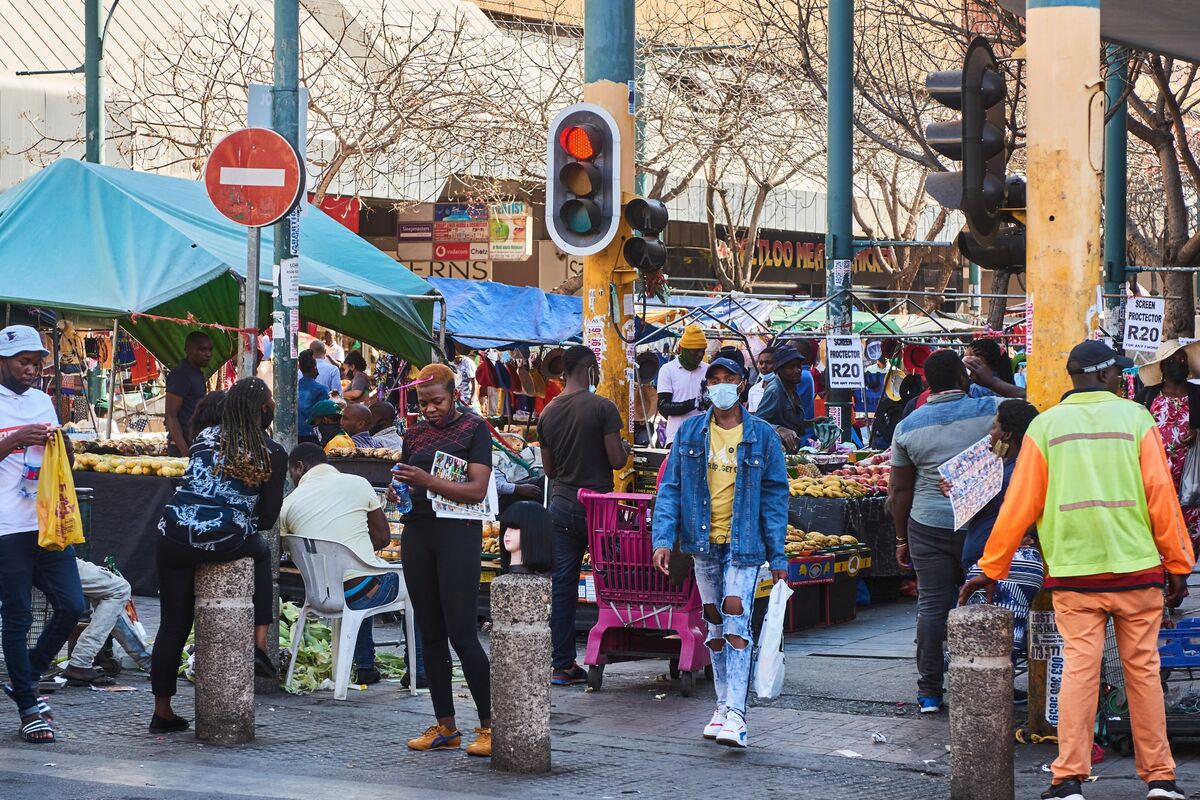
{"x": 109, "y": 242}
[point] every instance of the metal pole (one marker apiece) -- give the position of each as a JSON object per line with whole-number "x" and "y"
{"x": 839, "y": 239}
{"x": 250, "y": 302}
{"x": 973, "y": 279}
{"x": 285, "y": 120}
{"x": 609, "y": 32}
{"x": 112, "y": 380}
{"x": 93, "y": 81}
{"x": 1115, "y": 166}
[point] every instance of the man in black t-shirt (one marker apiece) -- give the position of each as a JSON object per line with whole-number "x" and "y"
{"x": 186, "y": 386}
{"x": 581, "y": 443}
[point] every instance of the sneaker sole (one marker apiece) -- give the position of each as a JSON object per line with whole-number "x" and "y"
{"x": 710, "y": 736}
{"x": 731, "y": 743}
{"x": 931, "y": 710}
{"x": 456, "y": 746}
{"x": 1159, "y": 794}
{"x": 567, "y": 681}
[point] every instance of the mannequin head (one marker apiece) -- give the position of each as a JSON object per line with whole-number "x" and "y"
{"x": 525, "y": 538}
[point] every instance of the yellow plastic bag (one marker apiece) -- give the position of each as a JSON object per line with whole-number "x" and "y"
{"x": 59, "y": 523}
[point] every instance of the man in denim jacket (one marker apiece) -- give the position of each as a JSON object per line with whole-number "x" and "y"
{"x": 724, "y": 498}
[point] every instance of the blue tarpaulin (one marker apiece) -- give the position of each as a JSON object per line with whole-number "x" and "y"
{"x": 110, "y": 242}
{"x": 483, "y": 315}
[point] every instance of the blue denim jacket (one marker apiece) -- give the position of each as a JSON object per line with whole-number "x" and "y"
{"x": 760, "y": 497}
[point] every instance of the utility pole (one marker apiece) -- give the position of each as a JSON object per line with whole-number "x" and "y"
{"x": 609, "y": 30}
{"x": 93, "y": 81}
{"x": 839, "y": 239}
{"x": 1064, "y": 146}
{"x": 285, "y": 318}
{"x": 285, "y": 119}
{"x": 1065, "y": 160}
{"x": 1115, "y": 169}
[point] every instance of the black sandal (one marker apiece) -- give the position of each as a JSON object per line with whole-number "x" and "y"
{"x": 37, "y": 725}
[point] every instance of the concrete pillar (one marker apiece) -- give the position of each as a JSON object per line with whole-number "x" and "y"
{"x": 520, "y": 673}
{"x": 225, "y": 652}
{"x": 981, "y": 697}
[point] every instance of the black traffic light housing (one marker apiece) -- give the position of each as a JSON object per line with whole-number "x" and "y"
{"x": 976, "y": 139}
{"x": 646, "y": 251}
{"x": 583, "y": 179}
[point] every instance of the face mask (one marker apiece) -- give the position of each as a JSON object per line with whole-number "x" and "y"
{"x": 268, "y": 418}
{"x": 724, "y": 395}
{"x": 1175, "y": 371}
{"x": 689, "y": 361}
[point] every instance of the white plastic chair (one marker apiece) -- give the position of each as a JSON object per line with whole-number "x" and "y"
{"x": 323, "y": 566}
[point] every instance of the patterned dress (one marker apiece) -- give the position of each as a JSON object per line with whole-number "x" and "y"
{"x": 1172, "y": 416}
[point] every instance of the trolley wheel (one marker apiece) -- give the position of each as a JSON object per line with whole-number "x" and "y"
{"x": 687, "y": 683}
{"x": 595, "y": 677}
{"x": 708, "y": 673}
{"x": 674, "y": 667}
{"x": 1123, "y": 745}
{"x": 108, "y": 665}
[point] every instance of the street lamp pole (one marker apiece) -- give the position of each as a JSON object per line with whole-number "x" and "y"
{"x": 839, "y": 239}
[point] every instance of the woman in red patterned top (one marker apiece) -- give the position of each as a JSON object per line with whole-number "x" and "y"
{"x": 1175, "y": 405}
{"x": 441, "y": 555}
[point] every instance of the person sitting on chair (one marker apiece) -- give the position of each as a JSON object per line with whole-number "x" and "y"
{"x": 336, "y": 507}
{"x": 108, "y": 593}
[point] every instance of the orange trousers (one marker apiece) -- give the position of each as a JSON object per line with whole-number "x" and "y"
{"x": 1137, "y": 617}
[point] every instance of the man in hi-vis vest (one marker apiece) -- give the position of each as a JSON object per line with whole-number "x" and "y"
{"x": 1093, "y": 476}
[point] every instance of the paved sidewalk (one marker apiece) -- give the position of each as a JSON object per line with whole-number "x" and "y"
{"x": 636, "y": 737}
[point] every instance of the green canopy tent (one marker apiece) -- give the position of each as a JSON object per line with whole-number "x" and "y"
{"x": 109, "y": 242}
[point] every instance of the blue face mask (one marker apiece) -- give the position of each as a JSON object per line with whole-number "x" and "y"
{"x": 723, "y": 395}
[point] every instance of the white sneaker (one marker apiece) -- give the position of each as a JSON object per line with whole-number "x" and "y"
{"x": 733, "y": 734}
{"x": 715, "y": 724}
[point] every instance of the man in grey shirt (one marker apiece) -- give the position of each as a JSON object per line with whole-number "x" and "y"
{"x": 949, "y": 423}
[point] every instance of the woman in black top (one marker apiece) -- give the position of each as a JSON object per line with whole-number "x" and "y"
{"x": 233, "y": 488}
{"x": 441, "y": 556}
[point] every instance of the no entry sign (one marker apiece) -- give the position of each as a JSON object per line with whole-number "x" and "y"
{"x": 253, "y": 177}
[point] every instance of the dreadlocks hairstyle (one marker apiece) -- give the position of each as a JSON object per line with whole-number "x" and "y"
{"x": 242, "y": 450}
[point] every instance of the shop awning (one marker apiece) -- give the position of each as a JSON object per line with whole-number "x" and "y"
{"x": 110, "y": 242}
{"x": 483, "y": 315}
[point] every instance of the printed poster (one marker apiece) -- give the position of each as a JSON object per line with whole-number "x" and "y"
{"x": 454, "y": 469}
{"x": 975, "y": 475}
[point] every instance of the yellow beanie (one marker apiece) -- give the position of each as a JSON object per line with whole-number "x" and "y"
{"x": 693, "y": 338}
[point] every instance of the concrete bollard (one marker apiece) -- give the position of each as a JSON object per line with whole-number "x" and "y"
{"x": 981, "y": 697}
{"x": 225, "y": 652}
{"x": 520, "y": 673}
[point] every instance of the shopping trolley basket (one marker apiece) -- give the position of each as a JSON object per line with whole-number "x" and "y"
{"x": 641, "y": 613}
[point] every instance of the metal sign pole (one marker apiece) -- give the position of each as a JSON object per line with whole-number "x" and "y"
{"x": 250, "y": 303}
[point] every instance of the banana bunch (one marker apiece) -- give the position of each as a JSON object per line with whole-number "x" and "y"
{"x": 826, "y": 486}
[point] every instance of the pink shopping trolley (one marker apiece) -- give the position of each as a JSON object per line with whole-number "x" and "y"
{"x": 642, "y": 615}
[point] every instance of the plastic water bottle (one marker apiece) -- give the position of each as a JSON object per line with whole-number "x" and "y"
{"x": 403, "y": 497}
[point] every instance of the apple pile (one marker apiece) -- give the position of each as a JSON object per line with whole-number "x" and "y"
{"x": 873, "y": 478}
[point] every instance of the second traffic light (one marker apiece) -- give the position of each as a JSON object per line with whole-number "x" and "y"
{"x": 646, "y": 252}
{"x": 583, "y": 179}
{"x": 977, "y": 140}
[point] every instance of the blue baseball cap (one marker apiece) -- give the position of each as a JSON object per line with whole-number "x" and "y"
{"x": 726, "y": 363}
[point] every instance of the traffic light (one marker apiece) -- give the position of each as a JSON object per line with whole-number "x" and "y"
{"x": 1006, "y": 251}
{"x": 646, "y": 252}
{"x": 976, "y": 139}
{"x": 583, "y": 179}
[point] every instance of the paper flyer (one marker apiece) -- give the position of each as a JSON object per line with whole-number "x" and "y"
{"x": 976, "y": 476}
{"x": 452, "y": 468}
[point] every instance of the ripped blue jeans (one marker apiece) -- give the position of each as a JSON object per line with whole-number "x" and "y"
{"x": 718, "y": 578}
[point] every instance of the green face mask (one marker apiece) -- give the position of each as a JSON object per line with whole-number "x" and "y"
{"x": 689, "y": 360}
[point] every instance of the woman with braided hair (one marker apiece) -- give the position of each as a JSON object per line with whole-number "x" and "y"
{"x": 232, "y": 489}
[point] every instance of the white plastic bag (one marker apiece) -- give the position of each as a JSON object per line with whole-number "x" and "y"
{"x": 768, "y": 669}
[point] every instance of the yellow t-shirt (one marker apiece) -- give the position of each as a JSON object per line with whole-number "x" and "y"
{"x": 722, "y": 474}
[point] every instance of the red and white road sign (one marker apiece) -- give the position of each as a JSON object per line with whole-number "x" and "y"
{"x": 254, "y": 177}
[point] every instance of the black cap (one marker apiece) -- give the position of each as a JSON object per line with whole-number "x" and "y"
{"x": 786, "y": 355}
{"x": 1093, "y": 356}
{"x": 728, "y": 363}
